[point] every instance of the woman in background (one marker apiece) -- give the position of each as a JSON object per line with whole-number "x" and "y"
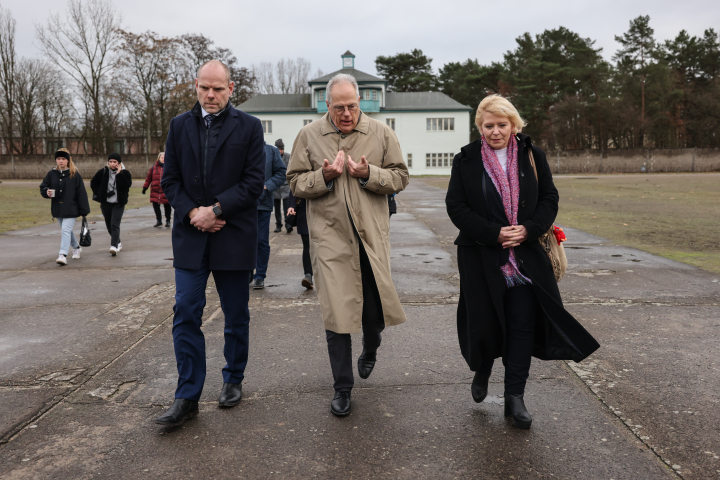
{"x": 157, "y": 196}
{"x": 65, "y": 187}
{"x": 298, "y": 207}
{"x": 111, "y": 187}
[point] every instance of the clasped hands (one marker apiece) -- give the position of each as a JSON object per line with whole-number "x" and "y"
{"x": 205, "y": 220}
{"x": 512, "y": 236}
{"x": 356, "y": 170}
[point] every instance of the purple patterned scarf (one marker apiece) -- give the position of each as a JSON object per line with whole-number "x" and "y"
{"x": 508, "y": 185}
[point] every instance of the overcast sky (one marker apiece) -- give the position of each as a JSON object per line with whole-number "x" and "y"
{"x": 446, "y": 31}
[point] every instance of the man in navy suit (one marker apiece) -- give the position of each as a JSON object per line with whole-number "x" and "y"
{"x": 214, "y": 174}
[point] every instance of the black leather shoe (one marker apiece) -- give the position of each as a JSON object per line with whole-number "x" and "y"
{"x": 167, "y": 223}
{"x": 278, "y": 229}
{"x": 181, "y": 410}
{"x": 479, "y": 387}
{"x": 366, "y": 363}
{"x": 231, "y": 394}
{"x": 340, "y": 406}
{"x": 158, "y": 223}
{"x": 307, "y": 282}
{"x": 289, "y": 229}
{"x": 259, "y": 284}
{"x": 515, "y": 408}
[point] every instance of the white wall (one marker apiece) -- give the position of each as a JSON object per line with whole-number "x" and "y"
{"x": 410, "y": 128}
{"x": 286, "y": 126}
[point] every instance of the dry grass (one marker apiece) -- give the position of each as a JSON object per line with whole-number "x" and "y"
{"x": 675, "y": 216}
{"x": 24, "y": 207}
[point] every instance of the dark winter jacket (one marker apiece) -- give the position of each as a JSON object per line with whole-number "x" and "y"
{"x": 153, "y": 181}
{"x": 70, "y": 200}
{"x": 392, "y": 206}
{"x": 99, "y": 184}
{"x": 274, "y": 177}
{"x": 300, "y": 206}
{"x": 480, "y": 317}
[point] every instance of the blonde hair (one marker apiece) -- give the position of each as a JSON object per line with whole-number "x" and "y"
{"x": 501, "y": 107}
{"x": 160, "y": 155}
{"x": 71, "y": 166}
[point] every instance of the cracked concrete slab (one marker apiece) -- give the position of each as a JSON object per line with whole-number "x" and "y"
{"x": 413, "y": 417}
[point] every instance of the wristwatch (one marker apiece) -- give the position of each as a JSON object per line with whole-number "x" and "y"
{"x": 216, "y": 210}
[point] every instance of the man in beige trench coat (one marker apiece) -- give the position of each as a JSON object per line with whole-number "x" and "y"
{"x": 345, "y": 165}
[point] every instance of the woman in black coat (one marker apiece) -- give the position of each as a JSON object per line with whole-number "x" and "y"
{"x": 111, "y": 187}
{"x": 64, "y": 186}
{"x": 510, "y": 304}
{"x": 298, "y": 207}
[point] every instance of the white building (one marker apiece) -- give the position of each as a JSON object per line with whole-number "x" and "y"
{"x": 431, "y": 126}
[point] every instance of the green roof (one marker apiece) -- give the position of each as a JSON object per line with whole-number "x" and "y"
{"x": 421, "y": 101}
{"x": 361, "y": 77}
{"x": 283, "y": 102}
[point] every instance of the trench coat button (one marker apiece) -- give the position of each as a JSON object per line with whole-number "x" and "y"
{"x": 310, "y": 184}
{"x": 382, "y": 182}
{"x": 343, "y": 135}
{"x": 196, "y": 179}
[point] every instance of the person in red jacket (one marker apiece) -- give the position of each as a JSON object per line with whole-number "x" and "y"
{"x": 157, "y": 196}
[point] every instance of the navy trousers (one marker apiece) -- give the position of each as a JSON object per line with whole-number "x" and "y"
{"x": 263, "y": 253}
{"x": 188, "y": 337}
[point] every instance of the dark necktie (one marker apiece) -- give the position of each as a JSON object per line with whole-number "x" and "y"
{"x": 209, "y": 120}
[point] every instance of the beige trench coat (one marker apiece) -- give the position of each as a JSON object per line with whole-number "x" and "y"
{"x": 334, "y": 251}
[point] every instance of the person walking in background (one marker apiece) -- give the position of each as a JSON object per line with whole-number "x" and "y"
{"x": 274, "y": 177}
{"x": 349, "y": 226}
{"x": 281, "y": 195}
{"x": 214, "y": 174}
{"x": 298, "y": 208}
{"x": 392, "y": 206}
{"x": 65, "y": 187}
{"x": 157, "y": 197}
{"x": 111, "y": 187}
{"x": 510, "y": 304}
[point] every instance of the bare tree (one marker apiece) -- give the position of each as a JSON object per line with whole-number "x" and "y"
{"x": 7, "y": 77}
{"x": 286, "y": 76}
{"x": 83, "y": 46}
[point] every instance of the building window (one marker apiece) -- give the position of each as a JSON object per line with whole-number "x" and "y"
{"x": 390, "y": 122}
{"x": 374, "y": 95}
{"x": 439, "y": 124}
{"x": 54, "y": 145}
{"x": 409, "y": 160}
{"x": 436, "y": 160}
{"x": 267, "y": 126}
{"x": 118, "y": 146}
{"x": 305, "y": 122}
{"x": 321, "y": 95}
{"x": 367, "y": 94}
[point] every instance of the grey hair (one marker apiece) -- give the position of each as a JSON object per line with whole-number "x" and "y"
{"x": 215, "y": 62}
{"x": 341, "y": 78}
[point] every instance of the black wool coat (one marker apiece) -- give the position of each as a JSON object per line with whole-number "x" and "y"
{"x": 300, "y": 206}
{"x": 99, "y": 184}
{"x": 480, "y": 316}
{"x": 70, "y": 200}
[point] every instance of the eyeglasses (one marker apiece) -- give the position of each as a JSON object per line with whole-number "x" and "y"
{"x": 352, "y": 108}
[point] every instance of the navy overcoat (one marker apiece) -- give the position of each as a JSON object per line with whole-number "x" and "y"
{"x": 236, "y": 180}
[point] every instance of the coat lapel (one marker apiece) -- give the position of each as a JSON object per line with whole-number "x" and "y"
{"x": 191, "y": 128}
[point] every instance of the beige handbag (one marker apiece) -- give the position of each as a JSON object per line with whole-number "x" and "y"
{"x": 551, "y": 241}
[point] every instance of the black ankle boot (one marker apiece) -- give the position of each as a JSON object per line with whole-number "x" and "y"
{"x": 515, "y": 408}
{"x": 158, "y": 223}
{"x": 479, "y": 386}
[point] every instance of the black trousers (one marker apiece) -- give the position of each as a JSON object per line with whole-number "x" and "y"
{"x": 168, "y": 211}
{"x": 112, "y": 212}
{"x": 279, "y": 216}
{"x": 307, "y": 264}
{"x": 373, "y": 323}
{"x": 521, "y": 313}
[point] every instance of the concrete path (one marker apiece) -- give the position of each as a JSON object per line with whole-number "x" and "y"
{"x": 86, "y": 364}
